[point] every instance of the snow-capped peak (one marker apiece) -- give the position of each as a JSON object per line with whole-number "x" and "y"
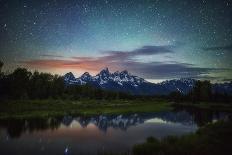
{"x": 86, "y": 76}
{"x": 126, "y": 82}
{"x": 105, "y": 71}
{"x": 69, "y": 76}
{"x": 104, "y": 77}
{"x": 124, "y": 72}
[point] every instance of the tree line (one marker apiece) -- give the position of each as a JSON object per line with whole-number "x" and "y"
{"x": 202, "y": 92}
{"x": 23, "y": 84}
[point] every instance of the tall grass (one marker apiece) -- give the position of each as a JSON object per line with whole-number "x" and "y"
{"x": 213, "y": 139}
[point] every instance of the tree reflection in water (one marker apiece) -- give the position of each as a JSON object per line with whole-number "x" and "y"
{"x": 190, "y": 116}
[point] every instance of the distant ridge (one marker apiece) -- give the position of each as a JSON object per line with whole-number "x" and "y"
{"x": 126, "y": 82}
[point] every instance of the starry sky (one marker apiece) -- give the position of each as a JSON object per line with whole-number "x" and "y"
{"x": 153, "y": 39}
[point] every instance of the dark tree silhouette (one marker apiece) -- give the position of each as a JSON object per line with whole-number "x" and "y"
{"x": 1, "y": 64}
{"x": 19, "y": 83}
{"x": 202, "y": 91}
{"x": 22, "y": 84}
{"x": 176, "y": 96}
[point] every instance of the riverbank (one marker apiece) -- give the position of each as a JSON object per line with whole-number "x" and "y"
{"x": 52, "y": 108}
{"x": 204, "y": 105}
{"x": 211, "y": 139}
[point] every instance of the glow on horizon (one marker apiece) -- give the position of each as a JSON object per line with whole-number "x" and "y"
{"x": 156, "y": 80}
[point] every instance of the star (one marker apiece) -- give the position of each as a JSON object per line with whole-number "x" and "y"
{"x": 5, "y": 27}
{"x": 90, "y": 28}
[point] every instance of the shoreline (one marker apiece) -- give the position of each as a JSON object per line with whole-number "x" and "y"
{"x": 20, "y": 109}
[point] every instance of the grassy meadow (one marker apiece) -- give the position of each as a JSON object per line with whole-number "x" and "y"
{"x": 46, "y": 108}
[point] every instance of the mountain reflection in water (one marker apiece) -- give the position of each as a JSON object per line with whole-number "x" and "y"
{"x": 189, "y": 118}
{"x": 82, "y": 134}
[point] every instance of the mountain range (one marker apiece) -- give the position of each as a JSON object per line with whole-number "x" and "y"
{"x": 126, "y": 82}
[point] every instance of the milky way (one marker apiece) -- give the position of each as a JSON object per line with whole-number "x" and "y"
{"x": 153, "y": 39}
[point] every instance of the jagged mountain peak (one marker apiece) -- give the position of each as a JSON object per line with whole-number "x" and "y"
{"x": 86, "y": 76}
{"x": 69, "y": 76}
{"x": 104, "y": 74}
{"x": 104, "y": 79}
{"x": 86, "y": 73}
{"x": 105, "y": 70}
{"x": 124, "y": 72}
{"x": 116, "y": 73}
{"x": 126, "y": 82}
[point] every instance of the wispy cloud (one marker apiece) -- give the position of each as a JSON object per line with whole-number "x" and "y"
{"x": 143, "y": 51}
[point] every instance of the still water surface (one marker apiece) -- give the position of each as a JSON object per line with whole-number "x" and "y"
{"x": 93, "y": 135}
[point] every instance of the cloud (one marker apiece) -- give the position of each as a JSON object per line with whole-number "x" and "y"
{"x": 151, "y": 50}
{"x": 143, "y": 51}
{"x": 124, "y": 60}
{"x": 150, "y": 70}
{"x": 218, "y": 48}
{"x": 167, "y": 70}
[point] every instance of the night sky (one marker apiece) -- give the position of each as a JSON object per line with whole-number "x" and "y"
{"x": 154, "y": 39}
